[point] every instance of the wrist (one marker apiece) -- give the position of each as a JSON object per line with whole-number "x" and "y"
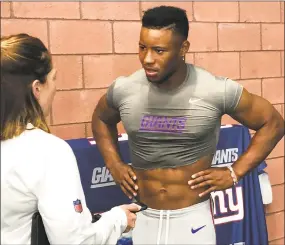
{"x": 233, "y": 175}
{"x": 111, "y": 164}
{"x": 238, "y": 173}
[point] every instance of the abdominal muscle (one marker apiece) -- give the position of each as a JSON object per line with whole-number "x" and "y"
{"x": 168, "y": 189}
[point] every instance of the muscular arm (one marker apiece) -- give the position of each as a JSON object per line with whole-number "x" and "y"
{"x": 104, "y": 127}
{"x": 255, "y": 113}
{"x": 258, "y": 114}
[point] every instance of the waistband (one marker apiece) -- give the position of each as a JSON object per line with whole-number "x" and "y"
{"x": 158, "y": 213}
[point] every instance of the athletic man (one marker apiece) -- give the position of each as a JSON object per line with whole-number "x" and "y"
{"x": 172, "y": 114}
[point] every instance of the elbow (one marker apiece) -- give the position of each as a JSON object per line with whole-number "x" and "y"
{"x": 273, "y": 127}
{"x": 279, "y": 127}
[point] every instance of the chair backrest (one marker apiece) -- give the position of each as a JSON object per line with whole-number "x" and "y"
{"x": 38, "y": 233}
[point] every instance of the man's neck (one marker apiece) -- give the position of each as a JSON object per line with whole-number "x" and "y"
{"x": 176, "y": 79}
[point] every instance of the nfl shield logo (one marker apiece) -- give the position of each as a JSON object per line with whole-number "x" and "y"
{"x": 77, "y": 206}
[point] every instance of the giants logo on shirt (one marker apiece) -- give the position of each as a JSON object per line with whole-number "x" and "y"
{"x": 228, "y": 204}
{"x": 167, "y": 124}
{"x": 101, "y": 177}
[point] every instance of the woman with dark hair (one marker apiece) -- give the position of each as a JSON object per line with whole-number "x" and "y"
{"x": 38, "y": 170}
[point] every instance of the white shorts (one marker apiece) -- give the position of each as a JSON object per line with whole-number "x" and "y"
{"x": 191, "y": 225}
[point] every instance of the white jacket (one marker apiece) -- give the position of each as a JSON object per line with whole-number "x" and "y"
{"x": 39, "y": 172}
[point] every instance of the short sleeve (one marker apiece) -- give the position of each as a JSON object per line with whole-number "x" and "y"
{"x": 116, "y": 92}
{"x": 233, "y": 91}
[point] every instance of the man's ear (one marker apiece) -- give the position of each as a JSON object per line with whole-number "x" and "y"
{"x": 184, "y": 48}
{"x": 36, "y": 87}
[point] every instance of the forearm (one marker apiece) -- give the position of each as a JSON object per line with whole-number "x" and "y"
{"x": 263, "y": 142}
{"x": 106, "y": 137}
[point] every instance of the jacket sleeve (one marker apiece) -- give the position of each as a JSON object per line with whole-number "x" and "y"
{"x": 62, "y": 204}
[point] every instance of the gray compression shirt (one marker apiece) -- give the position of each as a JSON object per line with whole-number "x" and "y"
{"x": 168, "y": 129}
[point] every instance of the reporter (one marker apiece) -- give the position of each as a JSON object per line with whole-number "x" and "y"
{"x": 38, "y": 170}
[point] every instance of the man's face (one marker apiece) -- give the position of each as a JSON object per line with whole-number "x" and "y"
{"x": 159, "y": 53}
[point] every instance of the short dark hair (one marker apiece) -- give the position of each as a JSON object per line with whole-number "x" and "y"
{"x": 167, "y": 17}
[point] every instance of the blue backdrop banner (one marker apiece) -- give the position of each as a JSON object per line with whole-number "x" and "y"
{"x": 238, "y": 211}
